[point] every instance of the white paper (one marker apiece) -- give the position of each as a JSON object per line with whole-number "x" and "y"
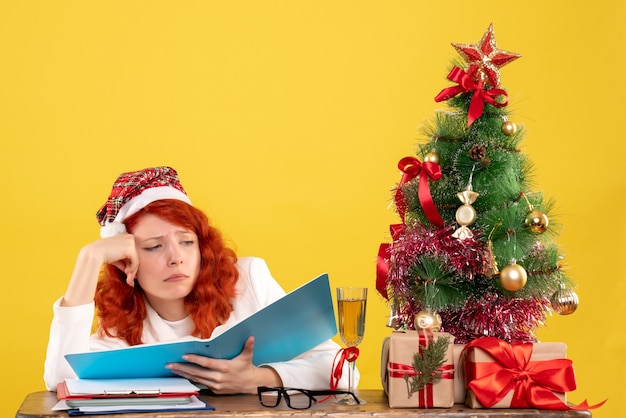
{"x": 195, "y": 403}
{"x": 156, "y": 385}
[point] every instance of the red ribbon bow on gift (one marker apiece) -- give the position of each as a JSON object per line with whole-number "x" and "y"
{"x": 411, "y": 167}
{"x": 533, "y": 383}
{"x": 467, "y": 83}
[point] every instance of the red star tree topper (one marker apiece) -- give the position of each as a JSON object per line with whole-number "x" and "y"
{"x": 485, "y": 59}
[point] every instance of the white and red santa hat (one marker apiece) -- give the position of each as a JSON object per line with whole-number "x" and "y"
{"x": 133, "y": 191}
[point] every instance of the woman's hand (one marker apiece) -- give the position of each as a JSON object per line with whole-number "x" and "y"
{"x": 238, "y": 375}
{"x": 118, "y": 250}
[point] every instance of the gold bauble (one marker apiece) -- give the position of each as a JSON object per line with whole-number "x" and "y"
{"x": 427, "y": 320}
{"x": 508, "y": 128}
{"x": 537, "y": 221}
{"x": 564, "y": 301}
{"x": 513, "y": 277}
{"x": 431, "y": 157}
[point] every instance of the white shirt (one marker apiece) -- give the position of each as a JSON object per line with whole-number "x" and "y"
{"x": 70, "y": 332}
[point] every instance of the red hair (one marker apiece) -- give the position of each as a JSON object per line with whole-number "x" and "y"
{"x": 121, "y": 308}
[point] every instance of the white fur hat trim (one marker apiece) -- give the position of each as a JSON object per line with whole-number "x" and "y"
{"x": 117, "y": 227}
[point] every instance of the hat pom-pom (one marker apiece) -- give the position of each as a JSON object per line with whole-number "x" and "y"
{"x": 111, "y": 229}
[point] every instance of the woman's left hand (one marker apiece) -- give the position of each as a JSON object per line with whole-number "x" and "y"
{"x": 237, "y": 375}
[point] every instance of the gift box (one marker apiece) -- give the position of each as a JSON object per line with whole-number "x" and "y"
{"x": 405, "y": 386}
{"x": 502, "y": 375}
{"x": 459, "y": 377}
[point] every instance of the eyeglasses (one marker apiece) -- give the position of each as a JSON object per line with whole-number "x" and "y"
{"x": 295, "y": 398}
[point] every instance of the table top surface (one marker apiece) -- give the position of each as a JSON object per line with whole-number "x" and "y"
{"x": 39, "y": 404}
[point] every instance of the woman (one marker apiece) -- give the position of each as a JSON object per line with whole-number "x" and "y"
{"x": 162, "y": 273}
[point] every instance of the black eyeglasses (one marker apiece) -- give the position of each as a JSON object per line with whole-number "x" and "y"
{"x": 296, "y": 398}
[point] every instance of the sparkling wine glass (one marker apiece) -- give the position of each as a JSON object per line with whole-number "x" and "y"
{"x": 351, "y": 302}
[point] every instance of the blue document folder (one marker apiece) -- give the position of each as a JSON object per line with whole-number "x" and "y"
{"x": 295, "y": 323}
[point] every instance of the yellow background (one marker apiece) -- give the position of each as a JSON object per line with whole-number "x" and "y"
{"x": 286, "y": 120}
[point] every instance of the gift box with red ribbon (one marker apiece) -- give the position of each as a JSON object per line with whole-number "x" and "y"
{"x": 406, "y": 386}
{"x": 459, "y": 378}
{"x": 502, "y": 375}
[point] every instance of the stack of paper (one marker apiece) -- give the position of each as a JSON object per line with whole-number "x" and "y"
{"x": 100, "y": 396}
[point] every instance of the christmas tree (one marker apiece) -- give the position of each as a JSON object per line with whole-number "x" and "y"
{"x": 475, "y": 253}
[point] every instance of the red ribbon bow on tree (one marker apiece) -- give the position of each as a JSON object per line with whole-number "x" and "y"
{"x": 533, "y": 383}
{"x": 382, "y": 261}
{"x": 467, "y": 83}
{"x": 411, "y": 167}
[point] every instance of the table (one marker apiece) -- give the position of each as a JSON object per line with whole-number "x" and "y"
{"x": 38, "y": 404}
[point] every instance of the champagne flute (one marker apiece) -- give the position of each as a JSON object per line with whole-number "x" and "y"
{"x": 351, "y": 302}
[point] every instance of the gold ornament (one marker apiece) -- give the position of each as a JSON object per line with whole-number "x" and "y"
{"x": 431, "y": 157}
{"x": 492, "y": 268}
{"x": 513, "y": 277}
{"x": 537, "y": 221}
{"x": 427, "y": 320}
{"x": 564, "y": 301}
{"x": 508, "y": 128}
{"x": 465, "y": 214}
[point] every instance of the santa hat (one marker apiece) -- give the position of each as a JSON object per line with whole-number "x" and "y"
{"x": 134, "y": 190}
